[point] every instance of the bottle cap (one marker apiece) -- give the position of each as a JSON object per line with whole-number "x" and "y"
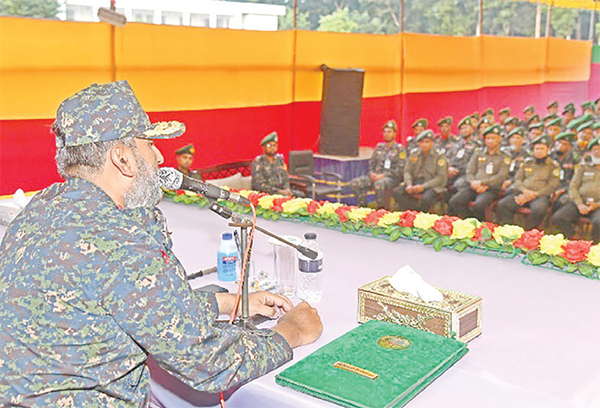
{"x": 310, "y": 235}
{"x": 227, "y": 235}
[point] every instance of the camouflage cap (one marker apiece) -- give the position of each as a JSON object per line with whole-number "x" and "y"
{"x": 475, "y": 115}
{"x": 568, "y": 136}
{"x": 534, "y": 118}
{"x": 529, "y": 108}
{"x": 588, "y": 105}
{"x": 555, "y": 122}
{"x": 535, "y": 125}
{"x": 579, "y": 120}
{"x": 593, "y": 143}
{"x": 543, "y": 139}
{"x": 391, "y": 124}
{"x": 426, "y": 134}
{"x": 420, "y": 122}
{"x": 553, "y": 104}
{"x": 271, "y": 137}
{"x": 467, "y": 120}
{"x": 585, "y": 125}
{"x": 490, "y": 111}
{"x": 596, "y": 125}
{"x": 504, "y": 110}
{"x": 495, "y": 129}
{"x": 485, "y": 120}
{"x": 104, "y": 112}
{"x": 511, "y": 120}
{"x": 569, "y": 107}
{"x": 189, "y": 149}
{"x": 550, "y": 117}
{"x": 447, "y": 120}
{"x": 517, "y": 131}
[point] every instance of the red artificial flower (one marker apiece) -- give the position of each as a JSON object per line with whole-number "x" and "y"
{"x": 530, "y": 240}
{"x": 576, "y": 251}
{"x": 180, "y": 192}
{"x": 407, "y": 219}
{"x": 342, "y": 210}
{"x": 254, "y": 197}
{"x": 444, "y": 225}
{"x": 313, "y": 206}
{"x": 278, "y": 203}
{"x": 477, "y": 236}
{"x": 375, "y": 215}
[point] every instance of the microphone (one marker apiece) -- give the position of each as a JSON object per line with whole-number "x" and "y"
{"x": 172, "y": 179}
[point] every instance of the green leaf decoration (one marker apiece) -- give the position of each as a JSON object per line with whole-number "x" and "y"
{"x": 438, "y": 244}
{"x": 395, "y": 235}
{"x": 586, "y": 270}
{"x": 344, "y": 228}
{"x": 460, "y": 246}
{"x": 406, "y": 231}
{"x": 275, "y": 216}
{"x": 428, "y": 240}
{"x": 486, "y": 233}
{"x": 376, "y": 231}
{"x": 571, "y": 268}
{"x": 559, "y": 261}
{"x": 493, "y": 245}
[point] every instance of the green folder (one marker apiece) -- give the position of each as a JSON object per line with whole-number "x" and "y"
{"x": 405, "y": 361}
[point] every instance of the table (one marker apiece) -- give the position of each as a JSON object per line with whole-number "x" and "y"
{"x": 540, "y": 345}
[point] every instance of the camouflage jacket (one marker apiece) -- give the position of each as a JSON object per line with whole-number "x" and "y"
{"x": 269, "y": 177}
{"x": 88, "y": 290}
{"x": 388, "y": 160}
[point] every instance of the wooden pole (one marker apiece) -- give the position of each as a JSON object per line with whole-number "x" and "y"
{"x": 538, "y": 20}
{"x": 549, "y": 18}
{"x": 295, "y": 14}
{"x": 479, "y": 29}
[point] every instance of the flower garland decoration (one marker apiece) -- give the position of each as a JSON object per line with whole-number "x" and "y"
{"x": 439, "y": 231}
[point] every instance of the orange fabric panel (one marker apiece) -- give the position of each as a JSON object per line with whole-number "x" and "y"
{"x": 521, "y": 61}
{"x": 189, "y": 68}
{"x": 42, "y": 62}
{"x": 568, "y": 59}
{"x": 380, "y": 56}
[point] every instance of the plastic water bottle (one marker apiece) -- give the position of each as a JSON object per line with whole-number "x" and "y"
{"x": 227, "y": 257}
{"x": 309, "y": 287}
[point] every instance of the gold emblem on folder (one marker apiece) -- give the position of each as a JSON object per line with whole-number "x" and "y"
{"x": 356, "y": 370}
{"x": 394, "y": 342}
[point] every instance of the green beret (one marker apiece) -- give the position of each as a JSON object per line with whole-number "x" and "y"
{"x": 485, "y": 120}
{"x": 511, "y": 120}
{"x": 271, "y": 137}
{"x": 391, "y": 124}
{"x": 420, "y": 122}
{"x": 553, "y": 104}
{"x": 535, "y": 125}
{"x": 579, "y": 120}
{"x": 530, "y": 108}
{"x": 543, "y": 139}
{"x": 585, "y": 125}
{"x": 467, "y": 120}
{"x": 589, "y": 105}
{"x": 593, "y": 143}
{"x": 490, "y": 111}
{"x": 596, "y": 125}
{"x": 550, "y": 117}
{"x": 517, "y": 131}
{"x": 569, "y": 108}
{"x": 426, "y": 134}
{"x": 535, "y": 118}
{"x": 447, "y": 120}
{"x": 493, "y": 129}
{"x": 597, "y": 100}
{"x": 504, "y": 110}
{"x": 475, "y": 115}
{"x": 568, "y": 136}
{"x": 555, "y": 122}
{"x": 189, "y": 149}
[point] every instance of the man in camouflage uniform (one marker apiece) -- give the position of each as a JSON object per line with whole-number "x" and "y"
{"x": 424, "y": 176}
{"x": 527, "y": 115}
{"x": 269, "y": 172}
{"x": 458, "y": 154}
{"x": 386, "y": 168}
{"x": 486, "y": 171}
{"x": 536, "y": 180}
{"x": 418, "y": 127}
{"x": 552, "y": 108}
{"x": 517, "y": 151}
{"x": 589, "y": 108}
{"x": 445, "y": 138}
{"x": 89, "y": 285}
{"x": 503, "y": 114}
{"x": 568, "y": 113}
{"x": 554, "y": 127}
{"x": 584, "y": 195}
{"x": 185, "y": 158}
{"x": 563, "y": 153}
{"x": 585, "y": 134}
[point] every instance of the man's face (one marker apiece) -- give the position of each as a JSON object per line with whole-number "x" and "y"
{"x": 516, "y": 141}
{"x": 510, "y": 127}
{"x": 502, "y": 117}
{"x": 466, "y": 130}
{"x": 425, "y": 145}
{"x": 553, "y": 130}
{"x": 553, "y": 110}
{"x": 145, "y": 189}
{"x": 568, "y": 116}
{"x": 492, "y": 140}
{"x": 540, "y": 151}
{"x": 418, "y": 129}
{"x": 528, "y": 115}
{"x": 483, "y": 127}
{"x": 445, "y": 128}
{"x": 270, "y": 148}
{"x": 596, "y": 151}
{"x": 596, "y": 133}
{"x": 586, "y": 134}
{"x": 535, "y": 132}
{"x": 588, "y": 111}
{"x": 562, "y": 146}
{"x": 389, "y": 134}
{"x": 185, "y": 160}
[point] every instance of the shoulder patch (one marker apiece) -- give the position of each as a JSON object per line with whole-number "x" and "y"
{"x": 402, "y": 154}
{"x": 507, "y": 160}
{"x": 556, "y": 172}
{"x": 441, "y": 162}
{"x": 413, "y": 159}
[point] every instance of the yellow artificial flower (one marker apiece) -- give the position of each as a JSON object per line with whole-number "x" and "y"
{"x": 328, "y": 208}
{"x": 295, "y": 204}
{"x": 511, "y": 232}
{"x": 552, "y": 244}
{"x": 425, "y": 221}
{"x": 594, "y": 255}
{"x": 246, "y": 193}
{"x": 389, "y": 219}
{"x": 464, "y": 228}
{"x": 267, "y": 201}
{"x": 358, "y": 214}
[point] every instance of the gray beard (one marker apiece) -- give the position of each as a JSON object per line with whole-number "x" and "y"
{"x": 145, "y": 191}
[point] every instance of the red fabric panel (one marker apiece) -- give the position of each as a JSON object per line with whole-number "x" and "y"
{"x": 594, "y": 83}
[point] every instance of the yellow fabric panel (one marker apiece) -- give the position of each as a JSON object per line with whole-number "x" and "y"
{"x": 188, "y": 68}
{"x": 578, "y": 4}
{"x": 441, "y": 64}
{"x": 42, "y": 62}
{"x": 380, "y": 56}
{"x": 564, "y": 60}
{"x": 521, "y": 61}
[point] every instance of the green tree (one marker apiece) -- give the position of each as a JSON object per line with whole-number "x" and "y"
{"x": 29, "y": 8}
{"x": 564, "y": 22}
{"x": 339, "y": 21}
{"x": 287, "y": 22}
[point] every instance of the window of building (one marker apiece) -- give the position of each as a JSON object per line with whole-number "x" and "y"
{"x": 172, "y": 17}
{"x": 80, "y": 13}
{"x": 142, "y": 16}
{"x": 199, "y": 20}
{"x": 223, "y": 21}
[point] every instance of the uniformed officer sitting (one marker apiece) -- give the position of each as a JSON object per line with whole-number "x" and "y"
{"x": 552, "y": 108}
{"x": 517, "y": 151}
{"x": 568, "y": 113}
{"x": 554, "y": 127}
{"x": 424, "y": 176}
{"x": 486, "y": 171}
{"x": 589, "y": 108}
{"x": 185, "y": 158}
{"x": 563, "y": 153}
{"x": 458, "y": 154}
{"x": 585, "y": 134}
{"x": 584, "y": 195}
{"x": 269, "y": 172}
{"x": 445, "y": 138}
{"x": 418, "y": 127}
{"x": 503, "y": 114}
{"x": 386, "y": 168}
{"x": 527, "y": 115}
{"x": 535, "y": 181}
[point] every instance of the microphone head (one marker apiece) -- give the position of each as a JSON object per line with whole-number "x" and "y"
{"x": 170, "y": 178}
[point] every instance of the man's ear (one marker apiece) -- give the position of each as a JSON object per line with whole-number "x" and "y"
{"x": 122, "y": 158}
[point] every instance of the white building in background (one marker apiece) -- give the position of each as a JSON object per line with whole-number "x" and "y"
{"x": 197, "y": 13}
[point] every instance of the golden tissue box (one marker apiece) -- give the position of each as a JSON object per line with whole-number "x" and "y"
{"x": 458, "y": 315}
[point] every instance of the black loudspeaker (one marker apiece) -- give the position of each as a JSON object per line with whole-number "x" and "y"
{"x": 340, "y": 111}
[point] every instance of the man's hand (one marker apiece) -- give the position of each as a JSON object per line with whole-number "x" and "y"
{"x": 506, "y": 184}
{"x": 452, "y": 171}
{"x": 520, "y": 200}
{"x": 285, "y": 192}
{"x": 409, "y": 189}
{"x": 300, "y": 326}
{"x": 418, "y": 189}
{"x": 529, "y": 195}
{"x": 475, "y": 184}
{"x": 267, "y": 304}
{"x": 375, "y": 176}
{"x": 583, "y": 209}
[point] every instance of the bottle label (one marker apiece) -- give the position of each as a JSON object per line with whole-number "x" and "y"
{"x": 310, "y": 266}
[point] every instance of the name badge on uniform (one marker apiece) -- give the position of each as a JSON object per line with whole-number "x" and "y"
{"x": 528, "y": 169}
{"x": 512, "y": 165}
{"x": 489, "y": 169}
{"x": 387, "y": 164}
{"x": 588, "y": 174}
{"x": 460, "y": 154}
{"x": 562, "y": 174}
